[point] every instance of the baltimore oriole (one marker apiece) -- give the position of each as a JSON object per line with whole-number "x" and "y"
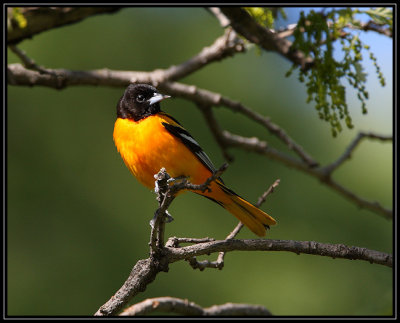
{"x": 149, "y": 139}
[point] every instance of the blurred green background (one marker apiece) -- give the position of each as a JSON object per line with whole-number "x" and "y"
{"x": 77, "y": 221}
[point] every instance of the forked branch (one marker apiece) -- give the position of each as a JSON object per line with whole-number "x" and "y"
{"x": 146, "y": 270}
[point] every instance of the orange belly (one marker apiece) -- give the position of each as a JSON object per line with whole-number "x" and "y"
{"x": 146, "y": 147}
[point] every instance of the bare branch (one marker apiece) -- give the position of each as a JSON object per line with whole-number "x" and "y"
{"x": 40, "y": 19}
{"x": 161, "y": 255}
{"x": 59, "y": 78}
{"x": 175, "y": 241}
{"x": 145, "y": 271}
{"x": 223, "y": 20}
{"x": 221, "y": 256}
{"x": 164, "y": 304}
{"x": 231, "y": 309}
{"x": 142, "y": 274}
{"x": 270, "y": 190}
{"x": 166, "y": 189}
{"x": 216, "y": 131}
{"x": 223, "y": 47}
{"x": 306, "y": 247}
{"x": 205, "y": 98}
{"x": 186, "y": 185}
{"x": 185, "y": 307}
{"x": 158, "y": 222}
{"x": 234, "y": 232}
{"x": 347, "y": 153}
{"x": 261, "y": 147}
{"x": 361, "y": 202}
{"x": 28, "y": 62}
{"x": 245, "y": 25}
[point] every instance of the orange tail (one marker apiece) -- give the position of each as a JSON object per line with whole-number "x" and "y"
{"x": 251, "y": 216}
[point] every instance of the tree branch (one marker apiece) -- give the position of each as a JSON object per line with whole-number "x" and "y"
{"x": 184, "y": 307}
{"x": 27, "y": 61}
{"x": 40, "y": 19}
{"x": 216, "y": 130}
{"x": 371, "y": 26}
{"x": 223, "y": 20}
{"x": 161, "y": 255}
{"x": 365, "y": 26}
{"x": 306, "y": 247}
{"x": 245, "y": 25}
{"x": 321, "y": 173}
{"x": 145, "y": 271}
{"x": 219, "y": 263}
{"x": 271, "y": 40}
{"x": 329, "y": 169}
{"x": 142, "y": 274}
{"x": 59, "y": 78}
{"x": 166, "y": 189}
{"x": 224, "y": 46}
{"x": 205, "y": 98}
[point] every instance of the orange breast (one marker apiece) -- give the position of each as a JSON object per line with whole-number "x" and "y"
{"x": 146, "y": 146}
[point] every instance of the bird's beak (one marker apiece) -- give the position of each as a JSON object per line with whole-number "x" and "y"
{"x": 157, "y": 97}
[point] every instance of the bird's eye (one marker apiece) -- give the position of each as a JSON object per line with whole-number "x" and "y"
{"x": 140, "y": 98}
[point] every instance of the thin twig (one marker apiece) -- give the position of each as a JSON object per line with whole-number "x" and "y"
{"x": 235, "y": 231}
{"x": 27, "y": 61}
{"x": 221, "y": 256}
{"x": 270, "y": 190}
{"x": 223, "y": 20}
{"x": 371, "y": 26}
{"x": 328, "y": 170}
{"x": 186, "y": 185}
{"x": 216, "y": 131}
{"x": 226, "y": 45}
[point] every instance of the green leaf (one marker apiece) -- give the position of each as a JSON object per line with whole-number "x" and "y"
{"x": 360, "y": 75}
{"x": 314, "y": 36}
{"x": 381, "y": 16}
{"x": 19, "y": 18}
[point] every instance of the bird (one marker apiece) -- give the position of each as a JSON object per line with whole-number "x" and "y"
{"x": 148, "y": 139}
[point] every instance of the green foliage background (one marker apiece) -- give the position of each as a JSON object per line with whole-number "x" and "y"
{"x": 77, "y": 221}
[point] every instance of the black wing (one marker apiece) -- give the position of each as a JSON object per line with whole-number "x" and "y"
{"x": 190, "y": 143}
